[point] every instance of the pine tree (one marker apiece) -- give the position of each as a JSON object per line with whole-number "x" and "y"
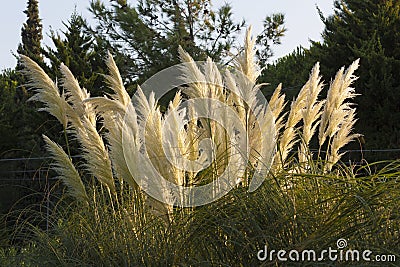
{"x": 272, "y": 33}
{"x": 19, "y": 121}
{"x": 31, "y": 33}
{"x": 291, "y": 70}
{"x": 79, "y": 51}
{"x": 148, "y": 35}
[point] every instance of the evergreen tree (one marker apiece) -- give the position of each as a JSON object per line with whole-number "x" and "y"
{"x": 291, "y": 70}
{"x": 21, "y": 125}
{"x": 31, "y": 38}
{"x": 369, "y": 30}
{"x": 31, "y": 33}
{"x": 9, "y": 106}
{"x": 149, "y": 34}
{"x": 79, "y": 51}
{"x": 19, "y": 138}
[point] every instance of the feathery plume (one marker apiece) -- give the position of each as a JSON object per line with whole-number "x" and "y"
{"x": 311, "y": 113}
{"x": 288, "y": 138}
{"x": 193, "y": 76}
{"x": 66, "y": 170}
{"x": 150, "y": 121}
{"x": 97, "y": 159}
{"x": 46, "y": 90}
{"x": 276, "y": 105}
{"x": 83, "y": 119}
{"x": 118, "y": 116}
{"x": 245, "y": 62}
{"x": 76, "y": 95}
{"x": 117, "y": 127}
{"x": 342, "y": 137}
{"x": 336, "y": 107}
{"x": 115, "y": 82}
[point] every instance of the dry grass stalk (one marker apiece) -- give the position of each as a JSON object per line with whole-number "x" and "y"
{"x": 173, "y": 141}
{"x": 342, "y": 137}
{"x": 66, "y": 170}
{"x": 337, "y": 106}
{"x": 289, "y": 137}
{"x": 46, "y": 90}
{"x": 311, "y": 113}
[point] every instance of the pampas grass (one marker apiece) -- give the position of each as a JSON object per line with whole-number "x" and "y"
{"x": 84, "y": 126}
{"x": 288, "y": 138}
{"x": 338, "y": 118}
{"x": 46, "y": 90}
{"x": 115, "y": 82}
{"x": 179, "y": 142}
{"x": 76, "y": 95}
{"x": 78, "y": 113}
{"x": 96, "y": 155}
{"x": 245, "y": 61}
{"x": 293, "y": 207}
{"x": 311, "y": 113}
{"x": 336, "y": 107}
{"x": 277, "y": 105}
{"x": 329, "y": 116}
{"x": 66, "y": 170}
{"x": 342, "y": 137}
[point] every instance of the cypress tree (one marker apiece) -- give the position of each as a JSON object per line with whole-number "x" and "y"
{"x": 31, "y": 33}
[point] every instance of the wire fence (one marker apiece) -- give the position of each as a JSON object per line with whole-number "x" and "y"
{"x": 22, "y": 171}
{"x": 26, "y": 169}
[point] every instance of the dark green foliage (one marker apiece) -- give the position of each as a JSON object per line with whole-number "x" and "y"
{"x": 289, "y": 211}
{"x": 148, "y": 35}
{"x": 10, "y": 104}
{"x": 31, "y": 33}
{"x": 19, "y": 120}
{"x": 368, "y": 30}
{"x": 291, "y": 70}
{"x": 79, "y": 51}
{"x": 20, "y": 125}
{"x": 273, "y": 31}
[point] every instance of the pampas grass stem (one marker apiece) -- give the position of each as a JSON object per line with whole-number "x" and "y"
{"x": 66, "y": 170}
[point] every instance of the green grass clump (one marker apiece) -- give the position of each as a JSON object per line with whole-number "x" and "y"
{"x": 289, "y": 211}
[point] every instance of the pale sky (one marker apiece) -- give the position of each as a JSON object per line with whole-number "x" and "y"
{"x": 302, "y": 20}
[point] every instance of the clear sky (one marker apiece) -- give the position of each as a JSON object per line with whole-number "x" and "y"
{"x": 302, "y": 20}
